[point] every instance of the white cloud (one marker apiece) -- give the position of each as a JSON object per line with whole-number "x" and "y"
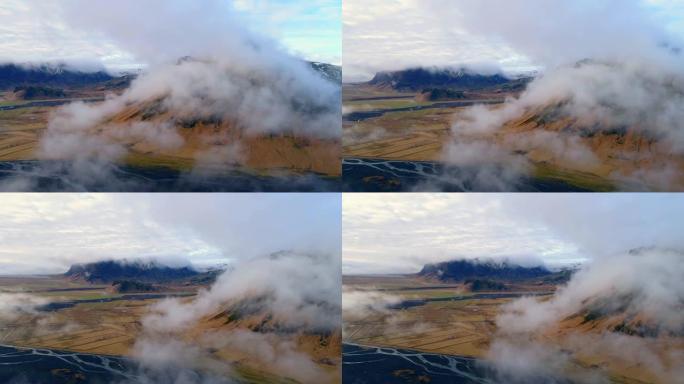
{"x": 45, "y": 233}
{"x": 395, "y": 34}
{"x": 516, "y": 34}
{"x": 47, "y": 30}
{"x": 400, "y": 233}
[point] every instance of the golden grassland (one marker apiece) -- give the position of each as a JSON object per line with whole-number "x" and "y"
{"x": 108, "y": 328}
{"x": 21, "y": 130}
{"x": 423, "y": 135}
{"x": 112, "y": 328}
{"x": 451, "y": 327}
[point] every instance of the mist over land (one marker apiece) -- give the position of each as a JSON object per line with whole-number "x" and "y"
{"x": 600, "y": 110}
{"x": 451, "y": 287}
{"x": 152, "y": 295}
{"x": 218, "y": 105}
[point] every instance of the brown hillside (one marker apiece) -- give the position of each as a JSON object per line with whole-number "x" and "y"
{"x": 622, "y": 151}
{"x": 203, "y": 137}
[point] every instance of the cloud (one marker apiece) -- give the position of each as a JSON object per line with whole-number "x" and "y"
{"x": 611, "y": 67}
{"x": 643, "y": 284}
{"x": 401, "y": 233}
{"x": 396, "y": 34}
{"x": 598, "y": 98}
{"x": 14, "y": 305}
{"x": 299, "y": 294}
{"x": 608, "y": 30}
{"x": 280, "y": 355}
{"x": 47, "y": 233}
{"x": 174, "y": 361}
{"x": 647, "y": 278}
{"x": 51, "y": 30}
{"x": 358, "y": 303}
{"x": 309, "y": 283}
{"x": 480, "y": 166}
{"x": 231, "y": 76}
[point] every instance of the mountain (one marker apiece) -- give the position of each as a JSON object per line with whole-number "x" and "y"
{"x": 472, "y": 270}
{"x": 417, "y": 79}
{"x": 34, "y": 92}
{"x": 52, "y": 75}
{"x": 329, "y": 71}
{"x": 110, "y": 271}
{"x": 217, "y": 130}
{"x": 627, "y": 152}
{"x": 254, "y": 320}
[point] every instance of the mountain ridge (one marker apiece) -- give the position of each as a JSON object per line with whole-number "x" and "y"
{"x": 465, "y": 270}
{"x": 418, "y": 78}
{"x": 109, "y": 271}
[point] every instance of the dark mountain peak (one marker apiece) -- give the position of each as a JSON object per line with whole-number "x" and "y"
{"x": 48, "y": 74}
{"x": 140, "y": 270}
{"x": 464, "y": 270}
{"x": 415, "y": 79}
{"x": 328, "y": 71}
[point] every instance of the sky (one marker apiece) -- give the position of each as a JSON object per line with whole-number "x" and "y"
{"x": 38, "y": 31}
{"x": 396, "y": 34}
{"x": 47, "y": 233}
{"x": 399, "y": 233}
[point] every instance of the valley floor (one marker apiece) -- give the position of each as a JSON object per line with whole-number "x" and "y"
{"x": 446, "y": 321}
{"x": 80, "y": 319}
{"x": 391, "y": 126}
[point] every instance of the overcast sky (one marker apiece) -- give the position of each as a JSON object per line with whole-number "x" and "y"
{"x": 46, "y": 233}
{"x": 399, "y": 233}
{"x": 516, "y": 35}
{"x": 43, "y": 30}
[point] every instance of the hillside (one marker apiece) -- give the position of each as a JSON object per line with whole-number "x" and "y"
{"x": 628, "y": 153}
{"x": 208, "y": 141}
{"x": 251, "y": 320}
{"x": 212, "y": 117}
{"x": 110, "y": 271}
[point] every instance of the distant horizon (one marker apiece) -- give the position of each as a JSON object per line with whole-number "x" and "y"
{"x": 556, "y": 268}
{"x": 92, "y": 67}
{"x": 511, "y": 72}
{"x": 398, "y": 234}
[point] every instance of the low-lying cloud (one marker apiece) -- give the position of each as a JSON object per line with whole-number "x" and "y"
{"x": 14, "y": 305}
{"x": 308, "y": 283}
{"x": 642, "y": 287}
{"x": 360, "y": 303}
{"x": 299, "y": 292}
{"x": 611, "y": 69}
{"x": 229, "y": 76}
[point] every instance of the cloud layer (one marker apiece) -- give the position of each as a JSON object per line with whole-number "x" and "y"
{"x": 401, "y": 233}
{"x": 395, "y": 34}
{"x": 75, "y": 30}
{"x": 48, "y": 233}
